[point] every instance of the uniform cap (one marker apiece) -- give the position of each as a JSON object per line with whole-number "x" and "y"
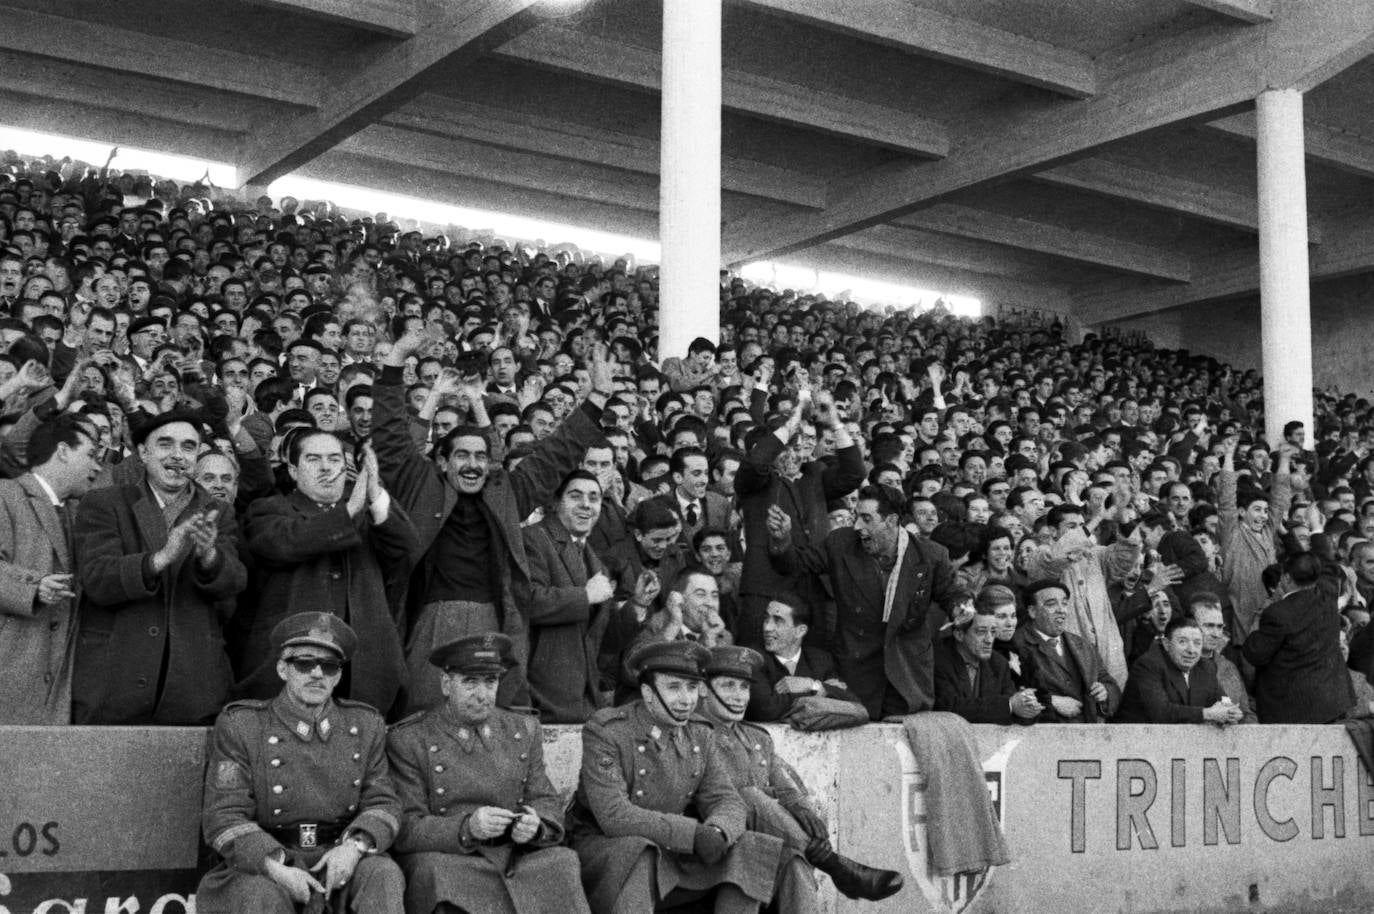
{"x": 740, "y": 662}
{"x": 322, "y": 630}
{"x": 679, "y": 658}
{"x": 488, "y": 653}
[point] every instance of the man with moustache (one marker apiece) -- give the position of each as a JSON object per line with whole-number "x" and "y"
{"x": 157, "y": 559}
{"x": 566, "y": 604}
{"x": 325, "y": 549}
{"x": 467, "y": 514}
{"x": 299, "y": 805}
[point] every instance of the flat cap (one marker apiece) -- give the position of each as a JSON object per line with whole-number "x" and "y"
{"x": 322, "y": 630}
{"x": 144, "y": 430}
{"x": 739, "y": 662}
{"x": 487, "y": 653}
{"x": 144, "y": 323}
{"x": 680, "y": 658}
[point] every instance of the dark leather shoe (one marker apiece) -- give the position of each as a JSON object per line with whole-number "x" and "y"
{"x": 851, "y": 878}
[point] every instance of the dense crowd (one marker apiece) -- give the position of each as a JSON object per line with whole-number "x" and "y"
{"x": 217, "y": 414}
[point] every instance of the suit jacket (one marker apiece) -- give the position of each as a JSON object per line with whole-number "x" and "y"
{"x": 565, "y": 630}
{"x": 872, "y": 655}
{"x": 989, "y": 703}
{"x": 130, "y": 619}
{"x": 1071, "y": 676}
{"x": 1156, "y": 692}
{"x": 36, "y": 641}
{"x": 715, "y": 511}
{"x": 767, "y": 704}
{"x": 1295, "y": 649}
{"x": 309, "y": 559}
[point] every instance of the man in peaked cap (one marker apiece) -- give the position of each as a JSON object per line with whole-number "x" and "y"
{"x": 774, "y": 794}
{"x": 299, "y": 804}
{"x": 655, "y": 818}
{"x": 481, "y": 822}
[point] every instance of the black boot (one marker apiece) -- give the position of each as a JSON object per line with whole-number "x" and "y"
{"x": 851, "y": 878}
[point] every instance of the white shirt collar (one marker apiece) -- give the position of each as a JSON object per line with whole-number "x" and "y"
{"x": 49, "y": 491}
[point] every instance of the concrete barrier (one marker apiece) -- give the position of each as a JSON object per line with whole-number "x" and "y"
{"x": 1104, "y": 818}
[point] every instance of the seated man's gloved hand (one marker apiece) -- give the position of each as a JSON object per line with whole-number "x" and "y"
{"x": 811, "y": 823}
{"x": 709, "y": 844}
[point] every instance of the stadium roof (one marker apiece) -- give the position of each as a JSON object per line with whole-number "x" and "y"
{"x": 1094, "y": 151}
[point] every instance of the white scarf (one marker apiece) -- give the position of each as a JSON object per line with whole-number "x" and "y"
{"x": 903, "y": 538}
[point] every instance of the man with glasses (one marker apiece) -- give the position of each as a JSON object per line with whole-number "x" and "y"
{"x": 299, "y": 803}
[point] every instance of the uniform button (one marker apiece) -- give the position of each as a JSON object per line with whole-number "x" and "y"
{"x": 276, "y": 763}
{"x": 334, "y": 575}
{"x": 352, "y": 808}
{"x": 276, "y": 812}
{"x": 352, "y": 731}
{"x": 433, "y": 748}
{"x": 273, "y": 740}
{"x": 524, "y": 755}
{"x": 439, "y": 791}
{"x": 357, "y": 755}
{"x": 643, "y": 771}
{"x": 142, "y": 682}
{"x": 517, "y": 734}
{"x": 696, "y": 748}
{"x": 641, "y": 748}
{"x": 639, "y": 793}
{"x": 154, "y": 631}
{"x": 442, "y": 810}
{"x": 277, "y": 788}
{"x": 439, "y": 768}
{"x": 357, "y": 782}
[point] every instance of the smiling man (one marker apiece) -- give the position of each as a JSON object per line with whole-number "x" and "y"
{"x": 467, "y": 512}
{"x": 1169, "y": 686}
{"x": 567, "y": 606}
{"x": 156, "y": 559}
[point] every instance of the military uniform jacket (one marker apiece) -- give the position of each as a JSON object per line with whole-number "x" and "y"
{"x": 445, "y": 769}
{"x": 747, "y": 753}
{"x": 270, "y": 769}
{"x": 642, "y": 786}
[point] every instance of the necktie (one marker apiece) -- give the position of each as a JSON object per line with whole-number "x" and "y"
{"x": 1056, "y": 646}
{"x": 692, "y": 514}
{"x": 64, "y": 515}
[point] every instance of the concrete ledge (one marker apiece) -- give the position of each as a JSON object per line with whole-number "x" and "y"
{"x": 1100, "y": 818}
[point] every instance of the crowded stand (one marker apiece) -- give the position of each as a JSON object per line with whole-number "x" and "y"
{"x": 471, "y": 466}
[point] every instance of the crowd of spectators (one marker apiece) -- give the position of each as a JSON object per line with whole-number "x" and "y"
{"x": 219, "y": 413}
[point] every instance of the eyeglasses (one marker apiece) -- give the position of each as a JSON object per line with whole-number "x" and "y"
{"x": 306, "y": 665}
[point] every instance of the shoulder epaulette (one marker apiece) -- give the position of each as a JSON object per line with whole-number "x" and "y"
{"x": 607, "y": 715}
{"x": 356, "y": 705}
{"x": 407, "y": 721}
{"x": 246, "y": 704}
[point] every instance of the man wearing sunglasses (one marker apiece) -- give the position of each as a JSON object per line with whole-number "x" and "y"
{"x": 299, "y": 803}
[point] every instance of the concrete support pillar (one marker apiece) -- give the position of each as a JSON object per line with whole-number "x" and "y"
{"x": 1285, "y": 310}
{"x": 689, "y": 186}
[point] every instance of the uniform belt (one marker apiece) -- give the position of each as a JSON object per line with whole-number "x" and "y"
{"x": 309, "y": 835}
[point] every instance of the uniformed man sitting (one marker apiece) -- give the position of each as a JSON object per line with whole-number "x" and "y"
{"x": 774, "y": 794}
{"x": 655, "y": 819}
{"x": 481, "y": 822}
{"x": 298, "y": 800}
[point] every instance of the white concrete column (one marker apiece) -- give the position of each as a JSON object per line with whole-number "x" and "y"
{"x": 689, "y": 186}
{"x": 1285, "y": 311}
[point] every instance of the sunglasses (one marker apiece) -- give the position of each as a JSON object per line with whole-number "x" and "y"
{"x": 306, "y": 665}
